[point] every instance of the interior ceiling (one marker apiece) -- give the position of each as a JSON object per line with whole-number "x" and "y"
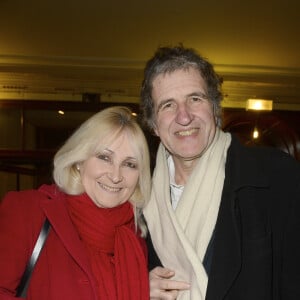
{"x": 58, "y": 50}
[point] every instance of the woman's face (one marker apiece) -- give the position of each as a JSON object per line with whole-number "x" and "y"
{"x": 110, "y": 177}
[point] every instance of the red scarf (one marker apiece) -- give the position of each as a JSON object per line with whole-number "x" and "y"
{"x": 115, "y": 251}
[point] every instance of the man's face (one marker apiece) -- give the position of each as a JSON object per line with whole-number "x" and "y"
{"x": 184, "y": 118}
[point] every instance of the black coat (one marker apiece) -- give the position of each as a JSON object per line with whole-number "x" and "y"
{"x": 256, "y": 245}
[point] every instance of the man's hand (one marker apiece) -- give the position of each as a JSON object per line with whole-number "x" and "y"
{"x": 162, "y": 287}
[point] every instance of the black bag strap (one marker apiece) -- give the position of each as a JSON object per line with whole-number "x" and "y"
{"x": 22, "y": 288}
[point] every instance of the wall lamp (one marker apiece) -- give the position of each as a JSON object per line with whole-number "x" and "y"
{"x": 259, "y": 104}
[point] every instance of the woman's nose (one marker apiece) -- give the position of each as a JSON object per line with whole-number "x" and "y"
{"x": 115, "y": 175}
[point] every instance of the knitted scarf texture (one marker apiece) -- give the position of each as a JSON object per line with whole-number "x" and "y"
{"x": 181, "y": 237}
{"x": 115, "y": 250}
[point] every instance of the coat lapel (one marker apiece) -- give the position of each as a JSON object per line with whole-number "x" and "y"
{"x": 241, "y": 170}
{"x": 56, "y": 212}
{"x": 226, "y": 260}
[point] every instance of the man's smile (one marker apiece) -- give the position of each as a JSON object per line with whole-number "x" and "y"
{"x": 187, "y": 132}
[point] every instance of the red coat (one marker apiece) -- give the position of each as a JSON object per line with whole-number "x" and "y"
{"x": 63, "y": 270}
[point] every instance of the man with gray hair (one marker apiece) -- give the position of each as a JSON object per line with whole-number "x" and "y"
{"x": 223, "y": 219}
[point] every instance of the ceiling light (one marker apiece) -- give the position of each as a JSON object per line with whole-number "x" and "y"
{"x": 259, "y": 104}
{"x": 255, "y": 133}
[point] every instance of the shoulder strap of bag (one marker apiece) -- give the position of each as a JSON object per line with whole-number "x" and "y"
{"x": 22, "y": 288}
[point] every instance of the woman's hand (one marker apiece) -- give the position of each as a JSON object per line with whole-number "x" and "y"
{"x": 162, "y": 287}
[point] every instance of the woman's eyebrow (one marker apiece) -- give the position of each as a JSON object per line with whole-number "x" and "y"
{"x": 130, "y": 158}
{"x": 108, "y": 150}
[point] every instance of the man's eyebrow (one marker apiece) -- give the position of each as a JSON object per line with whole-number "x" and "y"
{"x": 201, "y": 94}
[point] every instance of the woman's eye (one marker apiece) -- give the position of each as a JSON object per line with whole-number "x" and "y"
{"x": 104, "y": 157}
{"x": 130, "y": 164}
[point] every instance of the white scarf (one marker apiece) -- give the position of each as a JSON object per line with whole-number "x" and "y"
{"x": 181, "y": 237}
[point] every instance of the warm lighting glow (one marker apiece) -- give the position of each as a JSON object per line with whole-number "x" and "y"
{"x": 61, "y": 112}
{"x": 259, "y": 104}
{"x": 134, "y": 114}
{"x": 255, "y": 133}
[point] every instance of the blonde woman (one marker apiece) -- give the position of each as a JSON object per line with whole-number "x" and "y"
{"x": 95, "y": 248}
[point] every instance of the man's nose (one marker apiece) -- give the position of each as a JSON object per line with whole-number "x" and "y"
{"x": 183, "y": 115}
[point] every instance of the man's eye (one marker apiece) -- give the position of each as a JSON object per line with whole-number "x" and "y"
{"x": 197, "y": 99}
{"x": 166, "y": 105}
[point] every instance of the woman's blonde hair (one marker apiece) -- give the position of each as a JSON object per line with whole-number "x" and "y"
{"x": 93, "y": 136}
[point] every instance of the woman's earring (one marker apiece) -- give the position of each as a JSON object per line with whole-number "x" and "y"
{"x": 77, "y": 167}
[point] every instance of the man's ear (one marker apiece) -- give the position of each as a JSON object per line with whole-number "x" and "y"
{"x": 154, "y": 128}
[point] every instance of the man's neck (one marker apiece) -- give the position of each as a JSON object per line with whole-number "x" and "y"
{"x": 183, "y": 169}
